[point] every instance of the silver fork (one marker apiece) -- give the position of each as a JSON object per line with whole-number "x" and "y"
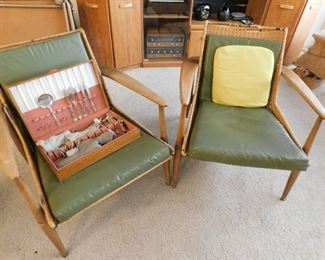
{"x": 83, "y": 100}
{"x": 71, "y": 92}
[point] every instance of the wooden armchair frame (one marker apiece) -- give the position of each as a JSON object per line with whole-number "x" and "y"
{"x": 189, "y": 89}
{"x": 12, "y": 141}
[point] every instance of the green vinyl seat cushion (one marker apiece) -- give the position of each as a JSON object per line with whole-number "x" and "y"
{"x": 94, "y": 182}
{"x": 243, "y": 136}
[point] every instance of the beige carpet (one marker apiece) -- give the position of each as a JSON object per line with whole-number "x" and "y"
{"x": 216, "y": 212}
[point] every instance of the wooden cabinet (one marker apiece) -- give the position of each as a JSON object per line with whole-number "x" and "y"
{"x": 297, "y": 15}
{"x": 114, "y": 30}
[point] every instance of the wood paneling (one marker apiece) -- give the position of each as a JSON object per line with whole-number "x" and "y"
{"x": 297, "y": 16}
{"x": 195, "y": 44}
{"x": 126, "y": 20}
{"x": 95, "y": 20}
{"x": 20, "y": 24}
{"x": 284, "y": 13}
{"x": 256, "y": 9}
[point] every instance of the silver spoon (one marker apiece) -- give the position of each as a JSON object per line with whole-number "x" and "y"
{"x": 46, "y": 101}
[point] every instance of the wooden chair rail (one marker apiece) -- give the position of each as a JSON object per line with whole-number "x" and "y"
{"x": 243, "y": 31}
{"x": 9, "y": 166}
{"x": 133, "y": 85}
{"x": 306, "y": 147}
{"x": 164, "y": 137}
{"x": 7, "y": 120}
{"x": 279, "y": 115}
{"x": 304, "y": 91}
{"x": 189, "y": 72}
{"x": 39, "y": 216}
{"x": 144, "y": 91}
{"x": 188, "y": 92}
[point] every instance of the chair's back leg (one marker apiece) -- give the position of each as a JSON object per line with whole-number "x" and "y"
{"x": 178, "y": 147}
{"x": 39, "y": 216}
{"x": 307, "y": 146}
{"x": 176, "y": 166}
{"x": 164, "y": 136}
{"x": 167, "y": 172}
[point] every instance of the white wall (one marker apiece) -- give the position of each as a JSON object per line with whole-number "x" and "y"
{"x": 318, "y": 26}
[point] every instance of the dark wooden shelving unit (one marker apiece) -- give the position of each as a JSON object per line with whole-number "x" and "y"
{"x": 151, "y": 18}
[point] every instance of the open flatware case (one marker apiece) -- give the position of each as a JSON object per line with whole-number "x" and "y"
{"x": 69, "y": 118}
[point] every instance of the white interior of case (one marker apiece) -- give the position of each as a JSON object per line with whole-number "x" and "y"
{"x": 56, "y": 84}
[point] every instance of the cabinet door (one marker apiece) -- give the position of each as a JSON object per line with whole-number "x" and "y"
{"x": 195, "y": 43}
{"x": 256, "y": 9}
{"x": 126, "y": 21}
{"x": 284, "y": 13}
{"x": 94, "y": 19}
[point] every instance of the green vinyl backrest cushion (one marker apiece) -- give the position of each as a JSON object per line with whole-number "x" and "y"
{"x": 214, "y": 42}
{"x": 34, "y": 59}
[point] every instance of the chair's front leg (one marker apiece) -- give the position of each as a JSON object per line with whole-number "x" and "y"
{"x": 164, "y": 136}
{"x": 39, "y": 216}
{"x": 307, "y": 146}
{"x": 291, "y": 181}
{"x": 55, "y": 239}
{"x": 178, "y": 147}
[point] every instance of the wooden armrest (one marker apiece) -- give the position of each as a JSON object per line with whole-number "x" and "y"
{"x": 133, "y": 85}
{"x": 304, "y": 91}
{"x": 188, "y": 76}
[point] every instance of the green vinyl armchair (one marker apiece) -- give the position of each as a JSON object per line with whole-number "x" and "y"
{"x": 253, "y": 137}
{"x": 59, "y": 202}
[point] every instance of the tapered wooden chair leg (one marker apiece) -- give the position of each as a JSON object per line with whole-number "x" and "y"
{"x": 291, "y": 181}
{"x": 55, "y": 239}
{"x": 167, "y": 172}
{"x": 39, "y": 216}
{"x": 176, "y": 166}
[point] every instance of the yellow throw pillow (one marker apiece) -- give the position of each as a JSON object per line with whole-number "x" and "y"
{"x": 242, "y": 76}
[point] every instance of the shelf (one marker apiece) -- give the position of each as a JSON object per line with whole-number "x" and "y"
{"x": 163, "y": 62}
{"x": 166, "y": 16}
{"x": 157, "y": 18}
